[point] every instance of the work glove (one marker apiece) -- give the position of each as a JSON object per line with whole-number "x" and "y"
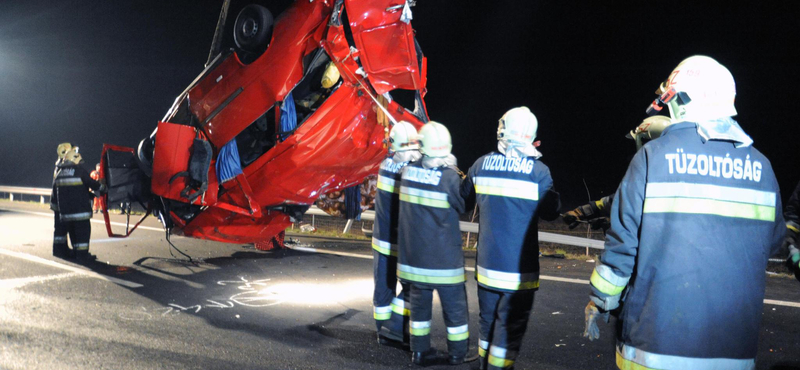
{"x": 793, "y": 262}
{"x": 600, "y": 223}
{"x": 592, "y": 313}
{"x": 574, "y": 217}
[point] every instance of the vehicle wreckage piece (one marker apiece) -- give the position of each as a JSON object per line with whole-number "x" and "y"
{"x": 298, "y": 109}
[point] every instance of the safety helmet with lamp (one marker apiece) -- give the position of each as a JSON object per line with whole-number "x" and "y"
{"x": 518, "y": 125}
{"x": 74, "y": 156}
{"x": 651, "y": 128}
{"x": 63, "y": 149}
{"x": 435, "y": 140}
{"x": 698, "y": 89}
{"x": 403, "y": 137}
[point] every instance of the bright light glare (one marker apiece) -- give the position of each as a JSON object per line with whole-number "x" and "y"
{"x": 317, "y": 293}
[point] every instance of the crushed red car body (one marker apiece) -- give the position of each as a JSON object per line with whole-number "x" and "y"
{"x": 243, "y": 101}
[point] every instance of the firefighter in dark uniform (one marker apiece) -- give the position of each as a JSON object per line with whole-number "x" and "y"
{"x": 597, "y": 213}
{"x": 513, "y": 190}
{"x": 791, "y": 241}
{"x": 429, "y": 245}
{"x": 391, "y": 312}
{"x": 60, "y": 248}
{"x": 74, "y": 207}
{"x": 694, "y": 222}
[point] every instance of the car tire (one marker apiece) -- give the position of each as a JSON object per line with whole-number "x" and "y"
{"x": 253, "y": 28}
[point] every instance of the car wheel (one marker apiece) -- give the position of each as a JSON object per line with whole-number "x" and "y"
{"x": 253, "y": 28}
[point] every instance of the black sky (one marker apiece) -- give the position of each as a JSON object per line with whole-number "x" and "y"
{"x": 96, "y": 72}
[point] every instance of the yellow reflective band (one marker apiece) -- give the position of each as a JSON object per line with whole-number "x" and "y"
{"x": 790, "y": 227}
{"x": 419, "y": 328}
{"x": 500, "y": 362}
{"x": 400, "y": 310}
{"x": 432, "y": 279}
{"x": 387, "y": 185}
{"x": 69, "y": 181}
{"x": 382, "y": 316}
{"x": 508, "y": 285}
{"x": 509, "y": 188}
{"x": 457, "y": 337}
{"x": 709, "y": 207}
{"x": 437, "y": 203}
{"x": 383, "y": 247}
{"x": 604, "y": 286}
{"x": 481, "y": 352}
{"x": 625, "y": 364}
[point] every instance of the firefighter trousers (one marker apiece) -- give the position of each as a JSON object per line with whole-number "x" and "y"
{"x": 503, "y": 319}
{"x": 391, "y": 312}
{"x": 79, "y": 233}
{"x": 456, "y": 317}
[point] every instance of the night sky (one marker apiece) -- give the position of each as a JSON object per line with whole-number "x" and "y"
{"x": 95, "y": 72}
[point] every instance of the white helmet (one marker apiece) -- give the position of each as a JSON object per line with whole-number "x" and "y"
{"x": 403, "y": 137}
{"x": 651, "y": 128}
{"x": 518, "y": 126}
{"x": 698, "y": 89}
{"x": 435, "y": 140}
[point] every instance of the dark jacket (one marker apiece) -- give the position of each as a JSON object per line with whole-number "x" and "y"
{"x": 71, "y": 194}
{"x": 387, "y": 205}
{"x": 511, "y": 194}
{"x": 429, "y": 237}
{"x": 693, "y": 224}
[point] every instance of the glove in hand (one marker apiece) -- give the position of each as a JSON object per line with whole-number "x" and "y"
{"x": 592, "y": 313}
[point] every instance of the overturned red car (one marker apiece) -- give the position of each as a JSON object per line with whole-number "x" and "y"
{"x": 299, "y": 106}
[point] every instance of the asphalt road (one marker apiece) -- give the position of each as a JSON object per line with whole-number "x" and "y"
{"x": 234, "y": 307}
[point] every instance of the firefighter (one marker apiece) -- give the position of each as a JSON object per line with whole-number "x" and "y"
{"x": 74, "y": 209}
{"x": 597, "y": 213}
{"x": 60, "y": 248}
{"x": 429, "y": 245}
{"x": 391, "y": 312}
{"x": 693, "y": 224}
{"x": 513, "y": 189}
{"x": 95, "y": 175}
{"x": 790, "y": 242}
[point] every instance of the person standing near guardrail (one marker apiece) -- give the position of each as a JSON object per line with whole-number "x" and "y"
{"x": 391, "y": 310}
{"x": 693, "y": 224}
{"x": 429, "y": 246}
{"x": 513, "y": 189}
{"x": 74, "y": 208}
{"x": 60, "y": 247}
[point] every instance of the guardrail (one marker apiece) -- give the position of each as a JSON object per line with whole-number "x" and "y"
{"x": 467, "y": 227}
{"x": 11, "y": 190}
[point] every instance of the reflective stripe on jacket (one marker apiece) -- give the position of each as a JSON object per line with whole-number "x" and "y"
{"x": 71, "y": 192}
{"x": 696, "y": 221}
{"x": 429, "y": 238}
{"x": 511, "y": 194}
{"x": 387, "y": 204}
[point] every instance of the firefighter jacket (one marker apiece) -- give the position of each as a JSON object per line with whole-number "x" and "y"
{"x": 511, "y": 194}
{"x": 387, "y": 204}
{"x": 792, "y": 212}
{"x": 71, "y": 192}
{"x": 693, "y": 224}
{"x": 429, "y": 237}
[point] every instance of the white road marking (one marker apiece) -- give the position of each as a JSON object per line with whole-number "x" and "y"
{"x": 62, "y": 266}
{"x": 541, "y": 277}
{"x": 20, "y": 282}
